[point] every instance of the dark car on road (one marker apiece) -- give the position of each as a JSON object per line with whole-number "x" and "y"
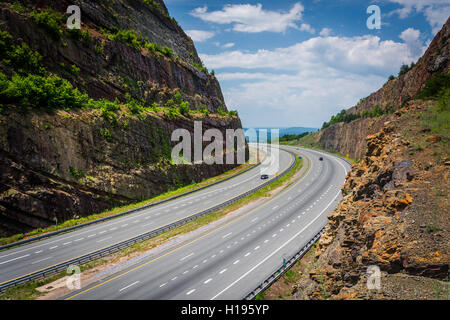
{"x": 264, "y": 177}
{"x": 321, "y": 159}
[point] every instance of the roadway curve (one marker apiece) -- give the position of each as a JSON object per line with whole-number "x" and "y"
{"x": 232, "y": 259}
{"x": 20, "y": 261}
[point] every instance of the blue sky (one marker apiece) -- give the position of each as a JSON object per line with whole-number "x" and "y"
{"x": 296, "y": 63}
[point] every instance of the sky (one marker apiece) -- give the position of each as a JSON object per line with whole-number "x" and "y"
{"x": 289, "y": 63}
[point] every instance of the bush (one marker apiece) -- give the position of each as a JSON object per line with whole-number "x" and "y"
{"x": 24, "y": 60}
{"x": 405, "y": 68}
{"x": 341, "y": 117}
{"x": 37, "y": 92}
{"x": 434, "y": 86}
{"x": 49, "y": 20}
{"x": 444, "y": 100}
{"x": 377, "y": 112}
{"x": 233, "y": 113}
{"x": 172, "y": 113}
{"x": 20, "y": 57}
{"x": 200, "y": 67}
{"x": 184, "y": 108}
{"x": 106, "y": 134}
{"x": 221, "y": 112}
{"x": 76, "y": 174}
{"x": 167, "y": 52}
{"x": 130, "y": 37}
{"x": 170, "y": 103}
{"x": 177, "y": 98}
{"x": 292, "y": 137}
{"x": 203, "y": 109}
{"x": 391, "y": 77}
{"x": 108, "y": 109}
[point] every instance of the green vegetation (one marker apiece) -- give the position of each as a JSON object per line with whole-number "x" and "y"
{"x": 233, "y": 113}
{"x": 108, "y": 109}
{"x": 138, "y": 41}
{"x": 99, "y": 49}
{"x": 221, "y": 112}
{"x": 200, "y": 67}
{"x": 437, "y": 119}
{"x": 73, "y": 69}
{"x": 77, "y": 174}
{"x": 340, "y": 117}
{"x": 377, "y": 112}
{"x": 37, "y": 92}
{"x": 151, "y": 3}
{"x": 184, "y": 108}
{"x": 293, "y": 137}
{"x": 203, "y": 109}
{"x": 106, "y": 134}
{"x": 20, "y": 57}
{"x": 83, "y": 35}
{"x": 435, "y": 86}
{"x": 49, "y": 20}
{"x": 18, "y": 7}
{"x": 405, "y": 68}
{"x": 343, "y": 116}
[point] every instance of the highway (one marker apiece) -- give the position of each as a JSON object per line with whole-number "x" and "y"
{"x": 233, "y": 258}
{"x": 35, "y": 256}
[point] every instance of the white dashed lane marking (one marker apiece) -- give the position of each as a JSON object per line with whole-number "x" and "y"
{"x": 134, "y": 283}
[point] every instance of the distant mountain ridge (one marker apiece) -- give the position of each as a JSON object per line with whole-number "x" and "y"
{"x": 285, "y": 131}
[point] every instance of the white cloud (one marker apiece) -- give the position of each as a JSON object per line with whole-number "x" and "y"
{"x": 325, "y": 32}
{"x": 228, "y": 45}
{"x": 200, "y": 35}
{"x": 437, "y": 17}
{"x": 252, "y": 18}
{"x": 435, "y": 11}
{"x": 311, "y": 80}
{"x": 356, "y": 54}
{"x": 411, "y": 37}
{"x": 306, "y": 27}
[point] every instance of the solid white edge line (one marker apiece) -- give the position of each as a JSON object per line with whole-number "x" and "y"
{"x": 274, "y": 252}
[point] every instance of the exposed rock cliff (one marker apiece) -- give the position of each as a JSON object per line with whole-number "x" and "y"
{"x": 394, "y": 216}
{"x": 59, "y": 163}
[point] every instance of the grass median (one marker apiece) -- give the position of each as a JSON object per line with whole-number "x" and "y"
{"x": 29, "y": 290}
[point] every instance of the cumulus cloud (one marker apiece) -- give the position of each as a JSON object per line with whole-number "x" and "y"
{"x": 228, "y": 45}
{"x": 366, "y": 54}
{"x": 325, "y": 32}
{"x": 411, "y": 37}
{"x": 435, "y": 11}
{"x": 306, "y": 83}
{"x": 200, "y": 35}
{"x": 306, "y": 27}
{"x": 252, "y": 18}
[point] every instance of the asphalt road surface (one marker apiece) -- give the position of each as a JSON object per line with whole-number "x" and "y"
{"x": 230, "y": 260}
{"x": 26, "y": 259}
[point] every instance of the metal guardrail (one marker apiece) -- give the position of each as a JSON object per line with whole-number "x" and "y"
{"x": 54, "y": 233}
{"x": 124, "y": 244}
{"x": 278, "y": 273}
